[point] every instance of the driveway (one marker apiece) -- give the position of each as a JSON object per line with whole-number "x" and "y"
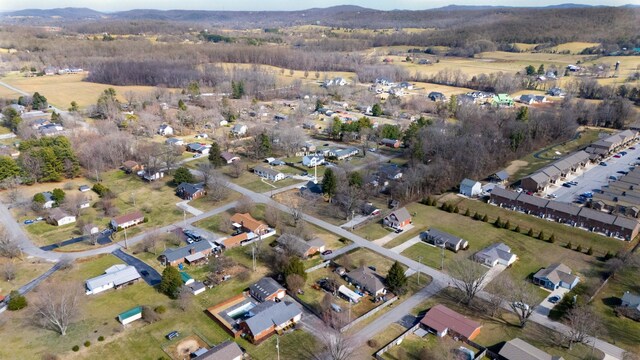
{"x": 392, "y": 235}
{"x": 407, "y": 244}
{"x": 544, "y": 308}
{"x": 102, "y": 240}
{"x": 149, "y": 274}
{"x": 184, "y": 205}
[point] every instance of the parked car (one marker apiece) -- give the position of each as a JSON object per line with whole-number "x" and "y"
{"x": 632, "y": 148}
{"x": 172, "y": 335}
{"x": 520, "y": 305}
{"x": 567, "y": 185}
{"x": 554, "y": 299}
{"x": 27, "y": 222}
{"x": 603, "y": 163}
{"x": 623, "y": 153}
{"x": 617, "y": 156}
{"x": 327, "y": 252}
{"x": 398, "y": 231}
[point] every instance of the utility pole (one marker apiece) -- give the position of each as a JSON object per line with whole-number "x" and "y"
{"x": 420, "y": 261}
{"x": 253, "y": 255}
{"x": 442, "y": 261}
{"x": 278, "y": 345}
{"x": 125, "y": 239}
{"x": 184, "y": 218}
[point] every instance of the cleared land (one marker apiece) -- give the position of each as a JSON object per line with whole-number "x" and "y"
{"x": 61, "y": 90}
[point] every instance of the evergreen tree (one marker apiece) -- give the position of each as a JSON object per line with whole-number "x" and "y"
{"x": 523, "y": 114}
{"x": 39, "y": 198}
{"x": 541, "y": 235}
{"x": 517, "y": 229}
{"x": 74, "y": 107}
{"x": 214, "y": 155}
{"x": 11, "y": 118}
{"x": 295, "y": 266}
{"x": 8, "y": 168}
{"x": 376, "y": 110}
{"x": 16, "y": 301}
{"x": 530, "y": 232}
{"x": 181, "y": 105}
{"x": 336, "y": 128}
{"x": 531, "y": 70}
{"x": 355, "y": 179}
{"x": 171, "y": 282}
{"x": 183, "y": 174}
{"x": 396, "y": 279}
{"x": 541, "y": 69}
{"x": 485, "y": 218}
{"x": 58, "y": 196}
{"x": 39, "y": 102}
{"x": 264, "y": 145}
{"x": 329, "y": 183}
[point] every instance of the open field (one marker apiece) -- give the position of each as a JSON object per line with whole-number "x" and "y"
{"x": 61, "y": 90}
{"x": 533, "y": 254}
{"x": 572, "y": 47}
{"x": 494, "y": 332}
{"x": 98, "y": 319}
{"x": 25, "y": 271}
{"x": 622, "y": 331}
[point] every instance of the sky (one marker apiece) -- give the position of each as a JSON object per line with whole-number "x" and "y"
{"x": 119, "y": 5}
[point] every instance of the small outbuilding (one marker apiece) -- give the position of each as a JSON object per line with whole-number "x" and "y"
{"x": 470, "y": 188}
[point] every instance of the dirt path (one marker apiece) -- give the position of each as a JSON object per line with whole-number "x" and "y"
{"x": 515, "y": 166}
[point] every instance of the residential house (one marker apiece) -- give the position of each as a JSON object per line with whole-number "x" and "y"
{"x": 48, "y": 200}
{"x": 165, "y": 130}
{"x": 58, "y": 217}
{"x": 517, "y": 349}
{"x": 494, "y": 254}
{"x": 384, "y": 81}
{"x": 392, "y": 143}
{"x": 500, "y": 177}
{"x": 188, "y": 254}
{"x": 630, "y": 300}
{"x": 268, "y": 173}
{"x": 239, "y": 129}
{"x": 229, "y": 158}
{"x": 312, "y": 160}
{"x": 443, "y": 239}
{"x": 188, "y": 191}
{"x": 114, "y": 277}
{"x": 199, "y": 148}
{"x": 470, "y": 188}
{"x": 246, "y": 223}
{"x": 174, "y": 141}
{"x": 342, "y": 154}
{"x": 267, "y": 289}
{"x": 227, "y": 350}
{"x": 443, "y": 321}
{"x": 51, "y": 129}
{"x": 555, "y": 276}
{"x": 337, "y": 81}
{"x": 573, "y": 68}
{"x": 131, "y": 166}
{"x": 390, "y": 172}
{"x": 150, "y": 176}
{"x": 50, "y": 70}
{"x": 127, "y": 220}
{"x": 398, "y": 219}
{"x": 201, "y": 136}
{"x": 268, "y": 318}
{"x": 301, "y": 247}
{"x": 130, "y": 315}
{"x": 556, "y": 91}
{"x": 502, "y": 100}
{"x": 367, "y": 280}
{"x": 436, "y": 96}
{"x": 406, "y": 85}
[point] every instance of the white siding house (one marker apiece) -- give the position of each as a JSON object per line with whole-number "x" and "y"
{"x": 470, "y": 188}
{"x": 267, "y": 173}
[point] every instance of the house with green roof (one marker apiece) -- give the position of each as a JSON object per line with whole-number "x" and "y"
{"x": 502, "y": 100}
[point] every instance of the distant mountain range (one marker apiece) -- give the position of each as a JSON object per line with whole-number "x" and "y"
{"x": 335, "y": 15}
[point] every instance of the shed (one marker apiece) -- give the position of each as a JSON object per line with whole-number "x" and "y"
{"x": 130, "y": 315}
{"x": 470, "y": 188}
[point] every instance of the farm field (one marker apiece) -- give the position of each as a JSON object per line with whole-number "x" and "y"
{"x": 61, "y": 90}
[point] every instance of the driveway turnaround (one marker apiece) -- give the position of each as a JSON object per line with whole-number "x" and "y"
{"x": 102, "y": 240}
{"x": 149, "y": 274}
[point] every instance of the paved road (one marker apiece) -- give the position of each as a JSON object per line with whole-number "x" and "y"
{"x": 149, "y": 274}
{"x": 407, "y": 244}
{"x": 102, "y": 240}
{"x": 33, "y": 283}
{"x": 398, "y": 312}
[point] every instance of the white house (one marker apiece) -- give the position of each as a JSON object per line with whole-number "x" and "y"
{"x": 114, "y": 277}
{"x": 165, "y": 130}
{"x": 174, "y": 141}
{"x": 470, "y": 188}
{"x": 239, "y": 129}
{"x": 495, "y": 254}
{"x": 48, "y": 200}
{"x": 312, "y": 160}
{"x": 58, "y": 217}
{"x": 268, "y": 173}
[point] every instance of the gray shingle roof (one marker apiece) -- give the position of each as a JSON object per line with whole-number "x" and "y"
{"x": 264, "y": 288}
{"x": 468, "y": 183}
{"x": 366, "y": 278}
{"x": 556, "y": 273}
{"x": 117, "y": 275}
{"x": 503, "y": 193}
{"x": 227, "y": 350}
{"x": 495, "y": 251}
{"x": 517, "y": 349}
{"x": 181, "y": 253}
{"x": 401, "y": 214}
{"x": 270, "y": 313}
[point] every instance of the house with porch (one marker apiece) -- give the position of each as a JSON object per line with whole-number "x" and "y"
{"x": 555, "y": 276}
{"x": 398, "y": 219}
{"x": 368, "y": 280}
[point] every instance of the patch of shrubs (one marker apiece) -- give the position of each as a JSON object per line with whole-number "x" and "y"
{"x": 75, "y": 348}
{"x": 100, "y": 189}
{"x": 87, "y": 343}
{"x": 100, "y": 338}
{"x": 16, "y": 301}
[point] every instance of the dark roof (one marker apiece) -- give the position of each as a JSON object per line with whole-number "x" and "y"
{"x": 278, "y": 313}
{"x": 468, "y": 183}
{"x": 442, "y": 238}
{"x": 136, "y": 215}
{"x": 228, "y": 156}
{"x": 190, "y": 189}
{"x": 502, "y": 175}
{"x": 504, "y": 193}
{"x": 532, "y": 200}
{"x": 390, "y": 170}
{"x": 264, "y": 288}
{"x": 517, "y": 349}
{"x": 597, "y": 215}
{"x": 227, "y": 350}
{"x": 366, "y": 278}
{"x": 182, "y": 252}
{"x": 312, "y": 187}
{"x": 401, "y": 214}
{"x": 563, "y": 207}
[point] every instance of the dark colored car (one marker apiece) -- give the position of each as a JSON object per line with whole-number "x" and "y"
{"x": 144, "y": 273}
{"x": 554, "y": 299}
{"x": 327, "y": 252}
{"x": 172, "y": 335}
{"x": 603, "y": 163}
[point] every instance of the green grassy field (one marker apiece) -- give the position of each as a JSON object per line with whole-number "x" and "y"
{"x": 26, "y": 270}
{"x": 621, "y": 331}
{"x": 494, "y": 331}
{"x": 533, "y": 254}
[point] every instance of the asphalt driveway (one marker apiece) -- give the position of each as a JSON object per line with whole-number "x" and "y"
{"x": 149, "y": 274}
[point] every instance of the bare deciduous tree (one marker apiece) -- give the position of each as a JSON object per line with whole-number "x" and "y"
{"x": 73, "y": 202}
{"x": 522, "y": 299}
{"x": 185, "y": 298}
{"x": 468, "y": 277}
{"x": 295, "y": 282}
{"x": 57, "y": 306}
{"x": 8, "y": 246}
{"x": 583, "y": 323}
{"x": 149, "y": 244}
{"x": 217, "y": 187}
{"x": 272, "y": 216}
{"x": 245, "y": 205}
{"x": 9, "y": 271}
{"x": 237, "y": 167}
{"x": 333, "y": 345}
